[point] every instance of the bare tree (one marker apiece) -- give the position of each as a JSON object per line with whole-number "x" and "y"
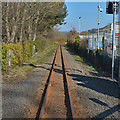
{"x": 28, "y": 20}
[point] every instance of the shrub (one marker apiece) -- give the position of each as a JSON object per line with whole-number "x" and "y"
{"x": 40, "y": 45}
{"x": 27, "y": 49}
{"x": 50, "y": 41}
{"x": 17, "y": 56}
{"x": 21, "y": 51}
{"x": 77, "y": 42}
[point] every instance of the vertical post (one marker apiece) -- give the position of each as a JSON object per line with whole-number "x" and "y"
{"x": 88, "y": 43}
{"x": 33, "y": 50}
{"x": 79, "y": 25}
{"x": 119, "y": 46}
{"x": 7, "y": 61}
{"x": 98, "y": 24}
{"x": 119, "y": 71}
{"x": 11, "y": 58}
{"x": 113, "y": 41}
{"x": 1, "y": 60}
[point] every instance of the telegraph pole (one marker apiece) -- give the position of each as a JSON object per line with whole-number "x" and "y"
{"x": 98, "y": 24}
{"x": 119, "y": 47}
{"x": 113, "y": 45}
{"x": 99, "y": 10}
{"x": 112, "y": 8}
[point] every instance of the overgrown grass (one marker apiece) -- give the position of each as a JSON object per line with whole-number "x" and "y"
{"x": 21, "y": 72}
{"x": 40, "y": 58}
{"x": 82, "y": 60}
{"x": 78, "y": 58}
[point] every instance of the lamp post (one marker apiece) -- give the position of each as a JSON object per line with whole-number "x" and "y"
{"x": 99, "y": 10}
{"x": 79, "y": 25}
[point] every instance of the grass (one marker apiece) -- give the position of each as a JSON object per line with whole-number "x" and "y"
{"x": 21, "y": 72}
{"x": 78, "y": 58}
{"x": 40, "y": 58}
{"x": 82, "y": 60}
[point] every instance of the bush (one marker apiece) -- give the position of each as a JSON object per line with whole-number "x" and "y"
{"x": 77, "y": 42}
{"x": 21, "y": 51}
{"x": 40, "y": 45}
{"x": 27, "y": 49}
{"x": 17, "y": 56}
{"x": 50, "y": 41}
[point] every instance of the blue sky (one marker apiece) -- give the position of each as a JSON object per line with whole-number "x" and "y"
{"x": 89, "y": 15}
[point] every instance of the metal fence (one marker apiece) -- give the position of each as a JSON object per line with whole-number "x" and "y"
{"x": 105, "y": 43}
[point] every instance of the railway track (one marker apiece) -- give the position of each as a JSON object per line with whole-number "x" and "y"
{"x": 56, "y": 101}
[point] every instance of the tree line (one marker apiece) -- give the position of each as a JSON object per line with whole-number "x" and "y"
{"x": 24, "y": 21}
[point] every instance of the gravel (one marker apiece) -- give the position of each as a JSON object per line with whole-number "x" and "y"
{"x": 94, "y": 95}
{"x": 21, "y": 100}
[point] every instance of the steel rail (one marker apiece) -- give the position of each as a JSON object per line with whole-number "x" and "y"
{"x": 68, "y": 98}
{"x": 45, "y": 92}
{"x": 70, "y": 103}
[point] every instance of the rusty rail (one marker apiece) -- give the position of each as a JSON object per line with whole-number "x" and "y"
{"x": 67, "y": 89}
{"x": 45, "y": 92}
{"x": 69, "y": 104}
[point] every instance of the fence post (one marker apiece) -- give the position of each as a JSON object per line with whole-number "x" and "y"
{"x": 7, "y": 60}
{"x": 11, "y": 58}
{"x": 94, "y": 57}
{"x": 33, "y": 50}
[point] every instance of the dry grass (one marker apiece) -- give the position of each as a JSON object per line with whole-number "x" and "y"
{"x": 83, "y": 61}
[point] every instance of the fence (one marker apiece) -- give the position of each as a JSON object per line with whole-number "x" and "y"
{"x": 101, "y": 58}
{"x": 105, "y": 57}
{"x": 105, "y": 43}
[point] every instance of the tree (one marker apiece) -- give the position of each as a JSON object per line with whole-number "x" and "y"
{"x": 30, "y": 19}
{"x": 72, "y": 35}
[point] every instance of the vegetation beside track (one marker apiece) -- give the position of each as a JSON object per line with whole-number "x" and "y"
{"x": 78, "y": 58}
{"x": 21, "y": 72}
{"x": 28, "y": 28}
{"x": 82, "y": 60}
{"x": 97, "y": 58}
{"x": 19, "y": 52}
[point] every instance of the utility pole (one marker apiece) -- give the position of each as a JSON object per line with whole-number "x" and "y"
{"x": 113, "y": 40}
{"x": 119, "y": 46}
{"x": 113, "y": 8}
{"x": 99, "y": 10}
{"x": 98, "y": 24}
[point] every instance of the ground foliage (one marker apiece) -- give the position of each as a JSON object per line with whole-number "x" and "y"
{"x": 21, "y": 52}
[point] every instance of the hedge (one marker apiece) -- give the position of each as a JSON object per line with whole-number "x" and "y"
{"x": 21, "y": 51}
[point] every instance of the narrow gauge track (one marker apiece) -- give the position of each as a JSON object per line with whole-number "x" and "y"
{"x": 56, "y": 99}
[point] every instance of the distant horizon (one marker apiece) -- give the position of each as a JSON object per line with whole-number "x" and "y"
{"x": 86, "y": 30}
